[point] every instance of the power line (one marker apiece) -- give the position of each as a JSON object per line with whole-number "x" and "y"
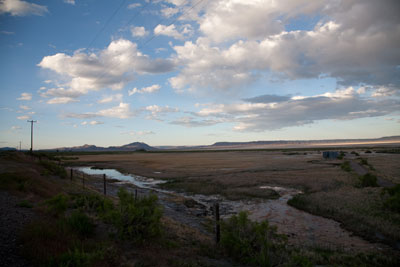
{"x": 154, "y": 35}
{"x": 106, "y": 24}
{"x": 175, "y": 20}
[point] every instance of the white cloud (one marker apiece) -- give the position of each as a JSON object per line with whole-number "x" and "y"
{"x": 25, "y": 96}
{"x": 112, "y": 68}
{"x": 7, "y": 32}
{"x": 355, "y": 42}
{"x": 134, "y": 5}
{"x": 171, "y": 31}
{"x": 122, "y": 111}
{"x": 169, "y": 11}
{"x": 71, "y": 2}
{"x": 91, "y": 123}
{"x": 61, "y": 100}
{"x": 192, "y": 122}
{"x": 21, "y": 8}
{"x": 24, "y": 107}
{"x": 156, "y": 111}
{"x": 145, "y": 90}
{"x": 385, "y": 91}
{"x": 111, "y": 98}
{"x": 138, "y": 133}
{"x": 24, "y": 117}
{"x": 81, "y": 115}
{"x": 267, "y": 114}
{"x": 138, "y": 31}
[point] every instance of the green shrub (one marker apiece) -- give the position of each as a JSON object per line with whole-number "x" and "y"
{"x": 25, "y": 204}
{"x": 81, "y": 224}
{"x": 298, "y": 201}
{"x": 252, "y": 242}
{"x": 94, "y": 203}
{"x": 368, "y": 180}
{"x": 54, "y": 168}
{"x": 393, "y": 202}
{"x": 13, "y": 181}
{"x": 346, "y": 166}
{"x": 57, "y": 205}
{"x": 137, "y": 220}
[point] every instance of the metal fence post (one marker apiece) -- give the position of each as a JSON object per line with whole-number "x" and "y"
{"x": 104, "y": 182}
{"x": 217, "y": 225}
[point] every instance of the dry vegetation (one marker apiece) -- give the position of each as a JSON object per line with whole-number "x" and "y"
{"x": 329, "y": 191}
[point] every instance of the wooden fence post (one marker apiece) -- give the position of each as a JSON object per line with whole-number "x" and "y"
{"x": 104, "y": 181}
{"x": 217, "y": 225}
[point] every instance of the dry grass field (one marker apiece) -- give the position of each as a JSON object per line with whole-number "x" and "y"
{"x": 329, "y": 190}
{"x": 304, "y": 170}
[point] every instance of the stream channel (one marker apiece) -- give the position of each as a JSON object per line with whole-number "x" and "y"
{"x": 302, "y": 228}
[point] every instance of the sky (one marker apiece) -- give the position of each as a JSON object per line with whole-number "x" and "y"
{"x": 195, "y": 72}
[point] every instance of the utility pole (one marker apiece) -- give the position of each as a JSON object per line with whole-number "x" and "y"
{"x": 19, "y": 145}
{"x": 32, "y": 134}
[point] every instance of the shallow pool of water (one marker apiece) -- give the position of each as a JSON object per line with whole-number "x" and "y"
{"x": 137, "y": 180}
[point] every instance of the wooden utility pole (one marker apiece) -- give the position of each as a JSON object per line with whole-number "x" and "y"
{"x": 31, "y": 121}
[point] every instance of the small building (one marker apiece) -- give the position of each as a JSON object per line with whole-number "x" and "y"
{"x": 330, "y": 154}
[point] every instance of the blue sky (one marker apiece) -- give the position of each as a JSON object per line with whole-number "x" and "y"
{"x": 194, "y": 72}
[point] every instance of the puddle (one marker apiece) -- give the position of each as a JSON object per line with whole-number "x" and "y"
{"x": 137, "y": 180}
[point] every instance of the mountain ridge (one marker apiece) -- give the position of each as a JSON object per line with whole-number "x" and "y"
{"x": 140, "y": 146}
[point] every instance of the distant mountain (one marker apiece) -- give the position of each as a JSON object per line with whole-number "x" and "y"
{"x": 7, "y": 149}
{"x": 135, "y": 146}
{"x": 298, "y": 142}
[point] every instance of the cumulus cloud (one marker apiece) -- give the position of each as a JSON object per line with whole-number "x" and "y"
{"x": 81, "y": 115}
{"x": 171, "y": 31}
{"x": 91, "y": 123}
{"x": 190, "y": 122}
{"x": 24, "y": 107}
{"x": 355, "y": 42}
{"x": 268, "y": 114}
{"x": 169, "y": 11}
{"x": 25, "y": 96}
{"x": 61, "y": 100}
{"x": 71, "y": 2}
{"x": 139, "y": 31}
{"x": 110, "y": 98}
{"x": 21, "y": 8}
{"x": 383, "y": 91}
{"x": 134, "y": 5}
{"x": 112, "y": 68}
{"x": 122, "y": 111}
{"x": 157, "y": 111}
{"x": 24, "y": 117}
{"x": 145, "y": 90}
